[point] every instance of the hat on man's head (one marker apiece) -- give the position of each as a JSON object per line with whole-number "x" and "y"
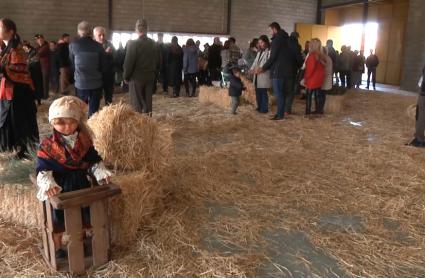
{"x": 68, "y": 107}
{"x": 38, "y": 36}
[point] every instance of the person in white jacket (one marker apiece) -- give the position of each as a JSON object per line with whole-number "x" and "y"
{"x": 262, "y": 81}
{"x": 327, "y": 82}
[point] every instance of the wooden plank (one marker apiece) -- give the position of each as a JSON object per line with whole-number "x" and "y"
{"x": 51, "y": 242}
{"x": 44, "y": 230}
{"x": 74, "y": 228}
{"x": 100, "y": 241}
{"x": 87, "y": 198}
{"x": 60, "y": 201}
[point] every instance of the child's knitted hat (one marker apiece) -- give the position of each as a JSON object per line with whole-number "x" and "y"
{"x": 68, "y": 107}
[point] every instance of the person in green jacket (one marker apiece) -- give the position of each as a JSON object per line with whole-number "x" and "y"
{"x": 142, "y": 62}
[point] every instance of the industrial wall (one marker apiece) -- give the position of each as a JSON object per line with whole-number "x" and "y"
{"x": 52, "y": 17}
{"x": 414, "y": 51}
{"x": 249, "y": 18}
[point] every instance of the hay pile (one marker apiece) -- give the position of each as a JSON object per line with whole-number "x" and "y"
{"x": 248, "y": 96}
{"x": 127, "y": 140}
{"x": 411, "y": 111}
{"x": 334, "y": 103}
{"x": 19, "y": 205}
{"x": 214, "y": 95}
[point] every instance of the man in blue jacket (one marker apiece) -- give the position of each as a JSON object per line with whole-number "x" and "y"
{"x": 282, "y": 65}
{"x": 88, "y": 62}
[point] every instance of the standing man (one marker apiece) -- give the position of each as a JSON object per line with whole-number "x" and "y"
{"x": 298, "y": 62}
{"x": 234, "y": 51}
{"x": 419, "y": 140}
{"x": 142, "y": 61}
{"x": 333, "y": 55}
{"x": 372, "y": 63}
{"x": 88, "y": 61}
{"x": 281, "y": 65}
{"x": 54, "y": 67}
{"x": 163, "y": 74}
{"x": 64, "y": 64}
{"x": 214, "y": 61}
{"x": 43, "y": 54}
{"x": 99, "y": 33}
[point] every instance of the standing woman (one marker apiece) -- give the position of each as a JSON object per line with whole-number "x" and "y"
{"x": 327, "y": 82}
{"x": 190, "y": 67}
{"x": 18, "y": 122}
{"x": 314, "y": 74}
{"x": 262, "y": 81}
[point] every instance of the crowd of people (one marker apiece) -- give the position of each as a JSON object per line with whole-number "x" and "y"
{"x": 92, "y": 64}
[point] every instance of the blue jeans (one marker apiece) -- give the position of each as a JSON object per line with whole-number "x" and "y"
{"x": 262, "y": 100}
{"x": 91, "y": 97}
{"x": 280, "y": 97}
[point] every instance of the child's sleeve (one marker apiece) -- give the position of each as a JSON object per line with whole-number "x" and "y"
{"x": 45, "y": 182}
{"x": 98, "y": 168}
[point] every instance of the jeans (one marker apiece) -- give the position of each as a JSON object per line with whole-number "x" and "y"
{"x": 190, "y": 78}
{"x": 372, "y": 72}
{"x": 91, "y": 97}
{"x": 234, "y": 104}
{"x": 320, "y": 100}
{"x": 345, "y": 80}
{"x": 309, "y": 98}
{"x": 262, "y": 100}
{"x": 280, "y": 99}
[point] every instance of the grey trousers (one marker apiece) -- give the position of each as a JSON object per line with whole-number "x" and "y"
{"x": 234, "y": 104}
{"x": 420, "y": 119}
{"x": 141, "y": 93}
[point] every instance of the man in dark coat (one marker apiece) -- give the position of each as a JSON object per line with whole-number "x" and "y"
{"x": 142, "y": 62}
{"x": 88, "y": 62}
{"x": 282, "y": 62}
{"x": 214, "y": 61}
{"x": 99, "y": 33}
{"x": 419, "y": 139}
{"x": 175, "y": 66}
{"x": 64, "y": 64}
{"x": 43, "y": 54}
{"x": 372, "y": 63}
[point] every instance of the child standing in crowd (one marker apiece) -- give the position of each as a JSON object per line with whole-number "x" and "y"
{"x": 66, "y": 158}
{"x": 235, "y": 88}
{"x": 314, "y": 76}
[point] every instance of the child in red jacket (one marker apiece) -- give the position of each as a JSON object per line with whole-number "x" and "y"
{"x": 314, "y": 75}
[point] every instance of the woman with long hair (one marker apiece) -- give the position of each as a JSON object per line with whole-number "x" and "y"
{"x": 314, "y": 75}
{"x": 262, "y": 81}
{"x": 18, "y": 122}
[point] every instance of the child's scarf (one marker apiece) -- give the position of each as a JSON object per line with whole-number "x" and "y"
{"x": 55, "y": 148}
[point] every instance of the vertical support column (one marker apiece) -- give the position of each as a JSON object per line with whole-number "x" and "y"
{"x": 74, "y": 228}
{"x": 110, "y": 15}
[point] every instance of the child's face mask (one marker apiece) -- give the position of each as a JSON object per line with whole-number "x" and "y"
{"x": 65, "y": 126}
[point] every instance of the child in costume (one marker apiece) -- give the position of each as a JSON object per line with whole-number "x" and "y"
{"x": 66, "y": 158}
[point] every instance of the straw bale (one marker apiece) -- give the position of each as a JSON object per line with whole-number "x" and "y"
{"x": 214, "y": 95}
{"x": 334, "y": 103}
{"x": 127, "y": 140}
{"x": 248, "y": 95}
{"x": 19, "y": 205}
{"x": 411, "y": 111}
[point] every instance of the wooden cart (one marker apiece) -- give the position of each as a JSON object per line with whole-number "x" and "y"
{"x": 71, "y": 202}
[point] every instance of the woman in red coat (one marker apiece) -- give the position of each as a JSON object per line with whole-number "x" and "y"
{"x": 314, "y": 75}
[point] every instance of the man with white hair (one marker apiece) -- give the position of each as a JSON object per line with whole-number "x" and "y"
{"x": 142, "y": 62}
{"x": 88, "y": 62}
{"x": 99, "y": 33}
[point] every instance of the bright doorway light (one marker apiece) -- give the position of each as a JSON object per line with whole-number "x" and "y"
{"x": 352, "y": 35}
{"x": 124, "y": 37}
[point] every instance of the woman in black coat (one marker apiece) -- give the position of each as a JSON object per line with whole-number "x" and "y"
{"x": 18, "y": 122}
